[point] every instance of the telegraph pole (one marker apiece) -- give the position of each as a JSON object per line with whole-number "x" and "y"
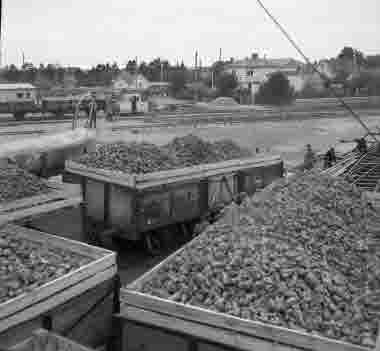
{"x": 137, "y": 72}
{"x": 1, "y": 33}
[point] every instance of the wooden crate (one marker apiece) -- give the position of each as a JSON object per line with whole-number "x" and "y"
{"x": 22, "y": 209}
{"x": 43, "y": 340}
{"x": 64, "y": 299}
{"x": 136, "y": 203}
{"x": 149, "y": 323}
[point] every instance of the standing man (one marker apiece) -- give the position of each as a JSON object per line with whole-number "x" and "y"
{"x": 109, "y": 109}
{"x": 309, "y": 159}
{"x": 92, "y": 110}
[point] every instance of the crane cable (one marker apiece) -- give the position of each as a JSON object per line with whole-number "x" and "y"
{"x": 294, "y": 44}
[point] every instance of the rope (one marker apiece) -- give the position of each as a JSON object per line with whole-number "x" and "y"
{"x": 294, "y": 44}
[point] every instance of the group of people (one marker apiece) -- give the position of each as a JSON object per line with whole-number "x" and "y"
{"x": 92, "y": 108}
{"x": 310, "y": 159}
{"x": 329, "y": 158}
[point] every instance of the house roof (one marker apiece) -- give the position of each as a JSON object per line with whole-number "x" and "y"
{"x": 16, "y": 86}
{"x": 129, "y": 78}
{"x": 264, "y": 62}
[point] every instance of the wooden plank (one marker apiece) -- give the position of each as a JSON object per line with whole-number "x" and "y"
{"x": 206, "y": 167}
{"x": 200, "y": 331}
{"x": 103, "y": 259}
{"x": 58, "y": 299}
{"x": 38, "y": 210}
{"x": 194, "y": 176}
{"x": 32, "y": 200}
{"x": 60, "y": 242}
{"x": 228, "y": 322}
{"x": 100, "y": 174}
{"x": 43, "y": 340}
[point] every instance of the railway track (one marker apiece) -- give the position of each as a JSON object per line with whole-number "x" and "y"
{"x": 172, "y": 120}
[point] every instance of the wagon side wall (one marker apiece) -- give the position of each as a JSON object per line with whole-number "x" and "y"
{"x": 91, "y": 331}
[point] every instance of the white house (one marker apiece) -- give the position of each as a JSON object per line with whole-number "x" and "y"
{"x": 17, "y": 92}
{"x": 138, "y": 83}
{"x": 128, "y": 81}
{"x": 252, "y": 72}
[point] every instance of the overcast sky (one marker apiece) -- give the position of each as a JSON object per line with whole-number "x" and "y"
{"x": 86, "y": 32}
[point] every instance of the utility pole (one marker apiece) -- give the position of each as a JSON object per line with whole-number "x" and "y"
{"x": 137, "y": 72}
{"x": 162, "y": 72}
{"x": 196, "y": 66}
{"x": 1, "y": 33}
{"x": 220, "y": 54}
{"x": 23, "y": 59}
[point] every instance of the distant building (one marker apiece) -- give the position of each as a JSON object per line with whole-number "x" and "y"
{"x": 17, "y": 92}
{"x": 252, "y": 72}
{"x": 127, "y": 82}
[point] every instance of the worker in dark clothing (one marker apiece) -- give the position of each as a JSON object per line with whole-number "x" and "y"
{"x": 361, "y": 145}
{"x": 329, "y": 158}
{"x": 134, "y": 104}
{"x": 309, "y": 159}
{"x": 92, "y": 111}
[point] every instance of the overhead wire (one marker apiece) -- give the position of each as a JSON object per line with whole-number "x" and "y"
{"x": 307, "y": 60}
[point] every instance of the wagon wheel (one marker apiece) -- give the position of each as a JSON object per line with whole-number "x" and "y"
{"x": 152, "y": 243}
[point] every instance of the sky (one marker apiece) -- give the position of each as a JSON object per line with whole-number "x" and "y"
{"x": 86, "y": 32}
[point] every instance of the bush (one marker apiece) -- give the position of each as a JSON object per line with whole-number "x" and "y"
{"x": 275, "y": 91}
{"x": 226, "y": 84}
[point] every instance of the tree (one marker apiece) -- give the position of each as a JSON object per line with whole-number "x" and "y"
{"x": 275, "y": 91}
{"x": 226, "y": 84}
{"x": 347, "y": 53}
{"x": 178, "y": 81}
{"x": 373, "y": 61}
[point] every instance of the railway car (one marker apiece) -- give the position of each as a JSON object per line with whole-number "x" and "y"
{"x": 18, "y": 99}
{"x": 143, "y": 206}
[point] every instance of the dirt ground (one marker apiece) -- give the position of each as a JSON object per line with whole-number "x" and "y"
{"x": 287, "y": 138}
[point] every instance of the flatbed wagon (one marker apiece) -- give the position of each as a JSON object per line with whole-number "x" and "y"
{"x": 77, "y": 304}
{"x": 135, "y": 204}
{"x": 150, "y": 323}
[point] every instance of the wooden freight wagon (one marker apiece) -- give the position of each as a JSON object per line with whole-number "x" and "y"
{"x": 78, "y": 305}
{"x": 149, "y": 323}
{"x": 132, "y": 204}
{"x": 21, "y": 210}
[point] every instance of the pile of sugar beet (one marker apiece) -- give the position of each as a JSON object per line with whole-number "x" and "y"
{"x": 26, "y": 265}
{"x": 304, "y": 255}
{"x": 145, "y": 157}
{"x": 17, "y": 183}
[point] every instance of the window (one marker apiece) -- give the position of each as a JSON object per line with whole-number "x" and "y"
{"x": 20, "y": 95}
{"x": 28, "y": 94}
{"x": 250, "y": 73}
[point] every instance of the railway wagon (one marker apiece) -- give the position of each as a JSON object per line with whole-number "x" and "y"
{"x": 136, "y": 206}
{"x": 19, "y": 108}
{"x": 150, "y": 323}
{"x": 80, "y": 298}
